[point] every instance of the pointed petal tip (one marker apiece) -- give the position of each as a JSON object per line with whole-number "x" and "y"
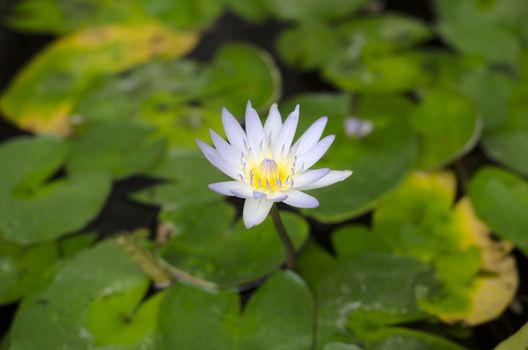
{"x": 200, "y": 143}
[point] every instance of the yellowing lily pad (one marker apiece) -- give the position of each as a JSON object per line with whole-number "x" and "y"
{"x": 476, "y": 277}
{"x": 42, "y": 97}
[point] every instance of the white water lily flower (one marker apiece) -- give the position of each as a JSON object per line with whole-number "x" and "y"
{"x": 265, "y": 166}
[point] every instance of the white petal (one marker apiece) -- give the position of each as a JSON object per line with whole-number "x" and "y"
{"x": 311, "y": 136}
{"x": 234, "y": 132}
{"x": 310, "y": 157}
{"x": 277, "y": 196}
{"x": 225, "y": 150}
{"x": 301, "y": 200}
{"x": 309, "y": 177}
{"x": 255, "y": 131}
{"x": 285, "y": 138}
{"x": 255, "y": 211}
{"x": 244, "y": 191}
{"x": 273, "y": 124}
{"x": 224, "y": 187}
{"x": 215, "y": 159}
{"x": 330, "y": 179}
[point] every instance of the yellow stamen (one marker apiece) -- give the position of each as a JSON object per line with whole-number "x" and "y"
{"x": 269, "y": 176}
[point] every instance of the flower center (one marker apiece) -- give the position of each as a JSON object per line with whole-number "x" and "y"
{"x": 268, "y": 176}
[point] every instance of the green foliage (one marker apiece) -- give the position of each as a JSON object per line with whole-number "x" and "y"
{"x": 32, "y": 198}
{"x": 391, "y": 143}
{"x": 448, "y": 127}
{"x": 22, "y": 268}
{"x": 507, "y": 142}
{"x": 116, "y": 148}
{"x": 183, "y": 99}
{"x": 408, "y": 251}
{"x": 279, "y": 315}
{"x": 501, "y": 200}
{"x": 207, "y": 244}
{"x": 517, "y": 341}
{"x": 103, "y": 284}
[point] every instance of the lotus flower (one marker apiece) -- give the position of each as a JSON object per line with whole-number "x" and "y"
{"x": 264, "y": 164}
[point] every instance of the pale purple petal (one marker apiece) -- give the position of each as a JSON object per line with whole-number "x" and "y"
{"x": 301, "y": 200}
{"x": 255, "y": 131}
{"x": 286, "y": 135}
{"x": 309, "y": 177}
{"x": 243, "y": 191}
{"x": 277, "y": 196}
{"x": 273, "y": 124}
{"x": 234, "y": 132}
{"x": 215, "y": 159}
{"x": 311, "y": 136}
{"x": 255, "y": 211}
{"x": 225, "y": 150}
{"x": 330, "y": 179}
{"x": 224, "y": 187}
{"x": 310, "y": 157}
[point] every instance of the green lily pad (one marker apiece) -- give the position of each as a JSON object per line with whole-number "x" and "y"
{"x": 241, "y": 72}
{"x": 382, "y": 34}
{"x": 314, "y": 10}
{"x": 32, "y": 203}
{"x": 65, "y": 16}
{"x": 253, "y": 11}
{"x": 517, "y": 341}
{"x": 508, "y": 142}
{"x": 121, "y": 149}
{"x": 490, "y": 91}
{"x": 298, "y": 52}
{"x": 391, "y": 143}
{"x": 509, "y": 13}
{"x": 186, "y": 175}
{"x": 278, "y": 315}
{"x": 184, "y": 14}
{"x": 183, "y": 99}
{"x": 406, "y": 339}
{"x": 21, "y": 268}
{"x": 500, "y": 199}
{"x": 444, "y": 69}
{"x": 448, "y": 126}
{"x": 473, "y": 37}
{"x": 99, "y": 287}
{"x": 374, "y": 74}
{"x": 357, "y": 304}
{"x": 207, "y": 243}
{"x": 71, "y": 245}
{"x": 42, "y": 158}
{"x": 43, "y": 96}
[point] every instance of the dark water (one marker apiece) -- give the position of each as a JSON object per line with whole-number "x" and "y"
{"x": 119, "y": 214}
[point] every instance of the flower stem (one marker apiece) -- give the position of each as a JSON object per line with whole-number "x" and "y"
{"x": 287, "y": 243}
